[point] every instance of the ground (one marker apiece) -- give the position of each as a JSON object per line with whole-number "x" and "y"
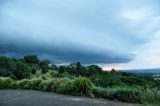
{"x": 38, "y": 98}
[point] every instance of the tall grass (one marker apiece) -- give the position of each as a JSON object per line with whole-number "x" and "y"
{"x": 151, "y": 96}
{"x": 125, "y": 94}
{"x": 81, "y": 86}
{"x": 78, "y": 86}
{"x": 7, "y": 83}
{"x": 129, "y": 94}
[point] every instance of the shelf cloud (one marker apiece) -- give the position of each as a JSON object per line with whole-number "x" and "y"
{"x": 89, "y": 31}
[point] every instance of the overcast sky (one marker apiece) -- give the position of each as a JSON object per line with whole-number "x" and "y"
{"x": 123, "y": 33}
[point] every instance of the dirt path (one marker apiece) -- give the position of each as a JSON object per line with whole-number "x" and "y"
{"x": 37, "y": 98}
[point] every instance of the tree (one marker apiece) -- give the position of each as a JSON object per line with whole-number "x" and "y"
{"x": 22, "y": 70}
{"x": 33, "y": 70}
{"x": 53, "y": 67}
{"x": 113, "y": 69}
{"x": 44, "y": 66}
{"x": 93, "y": 69}
{"x": 62, "y": 69}
{"x": 7, "y": 73}
{"x": 78, "y": 64}
{"x": 31, "y": 59}
{"x": 7, "y": 63}
{"x": 7, "y": 66}
{"x": 77, "y": 69}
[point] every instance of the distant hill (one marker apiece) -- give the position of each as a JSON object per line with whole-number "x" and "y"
{"x": 143, "y": 71}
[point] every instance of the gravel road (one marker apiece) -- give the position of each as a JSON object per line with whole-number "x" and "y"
{"x": 38, "y": 98}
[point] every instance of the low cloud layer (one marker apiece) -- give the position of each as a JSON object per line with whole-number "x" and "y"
{"x": 89, "y": 31}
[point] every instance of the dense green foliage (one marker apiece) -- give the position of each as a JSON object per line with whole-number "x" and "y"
{"x": 76, "y": 86}
{"x": 75, "y": 79}
{"x": 107, "y": 79}
{"x": 31, "y": 59}
{"x": 21, "y": 68}
{"x": 44, "y": 66}
{"x": 126, "y": 94}
{"x": 14, "y": 69}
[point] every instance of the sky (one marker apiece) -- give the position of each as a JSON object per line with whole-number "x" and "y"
{"x": 124, "y": 34}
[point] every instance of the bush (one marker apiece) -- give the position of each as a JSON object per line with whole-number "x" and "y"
{"x": 65, "y": 87}
{"x": 44, "y": 78}
{"x": 14, "y": 85}
{"x": 129, "y": 95}
{"x": 62, "y": 69}
{"x": 44, "y": 66}
{"x": 31, "y": 59}
{"x": 54, "y": 84}
{"x": 7, "y": 66}
{"x": 103, "y": 93}
{"x": 22, "y": 70}
{"x": 7, "y": 63}
{"x": 6, "y": 83}
{"x": 13, "y": 68}
{"x": 78, "y": 86}
{"x": 62, "y": 75}
{"x": 24, "y": 84}
{"x": 122, "y": 94}
{"x": 30, "y": 84}
{"x": 33, "y": 71}
{"x": 107, "y": 80}
{"x": 44, "y": 85}
{"x": 82, "y": 85}
{"x": 151, "y": 96}
{"x": 7, "y": 73}
{"x": 35, "y": 84}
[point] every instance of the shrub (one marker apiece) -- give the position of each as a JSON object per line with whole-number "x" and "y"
{"x": 82, "y": 85}
{"x": 7, "y": 63}
{"x": 6, "y": 83}
{"x": 51, "y": 85}
{"x": 44, "y": 78}
{"x": 151, "y": 96}
{"x": 35, "y": 84}
{"x": 62, "y": 75}
{"x": 78, "y": 86}
{"x": 44, "y": 66}
{"x": 122, "y": 94}
{"x": 64, "y": 87}
{"x": 129, "y": 95}
{"x": 44, "y": 84}
{"x": 30, "y": 84}
{"x": 54, "y": 84}
{"x": 7, "y": 66}
{"x": 13, "y": 68}
{"x": 103, "y": 93}
{"x": 22, "y": 70}
{"x": 62, "y": 69}
{"x": 14, "y": 85}
{"x": 7, "y": 73}
{"x": 33, "y": 71}
{"x": 31, "y": 59}
{"x": 24, "y": 84}
{"x": 107, "y": 80}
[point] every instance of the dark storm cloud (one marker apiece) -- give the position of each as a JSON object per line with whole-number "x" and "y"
{"x": 67, "y": 53}
{"x": 88, "y": 31}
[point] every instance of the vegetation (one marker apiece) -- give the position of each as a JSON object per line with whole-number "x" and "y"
{"x": 14, "y": 68}
{"x": 31, "y": 59}
{"x": 44, "y": 66}
{"x": 126, "y": 94}
{"x": 75, "y": 79}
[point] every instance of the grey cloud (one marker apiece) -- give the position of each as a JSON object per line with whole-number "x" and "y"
{"x": 87, "y": 31}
